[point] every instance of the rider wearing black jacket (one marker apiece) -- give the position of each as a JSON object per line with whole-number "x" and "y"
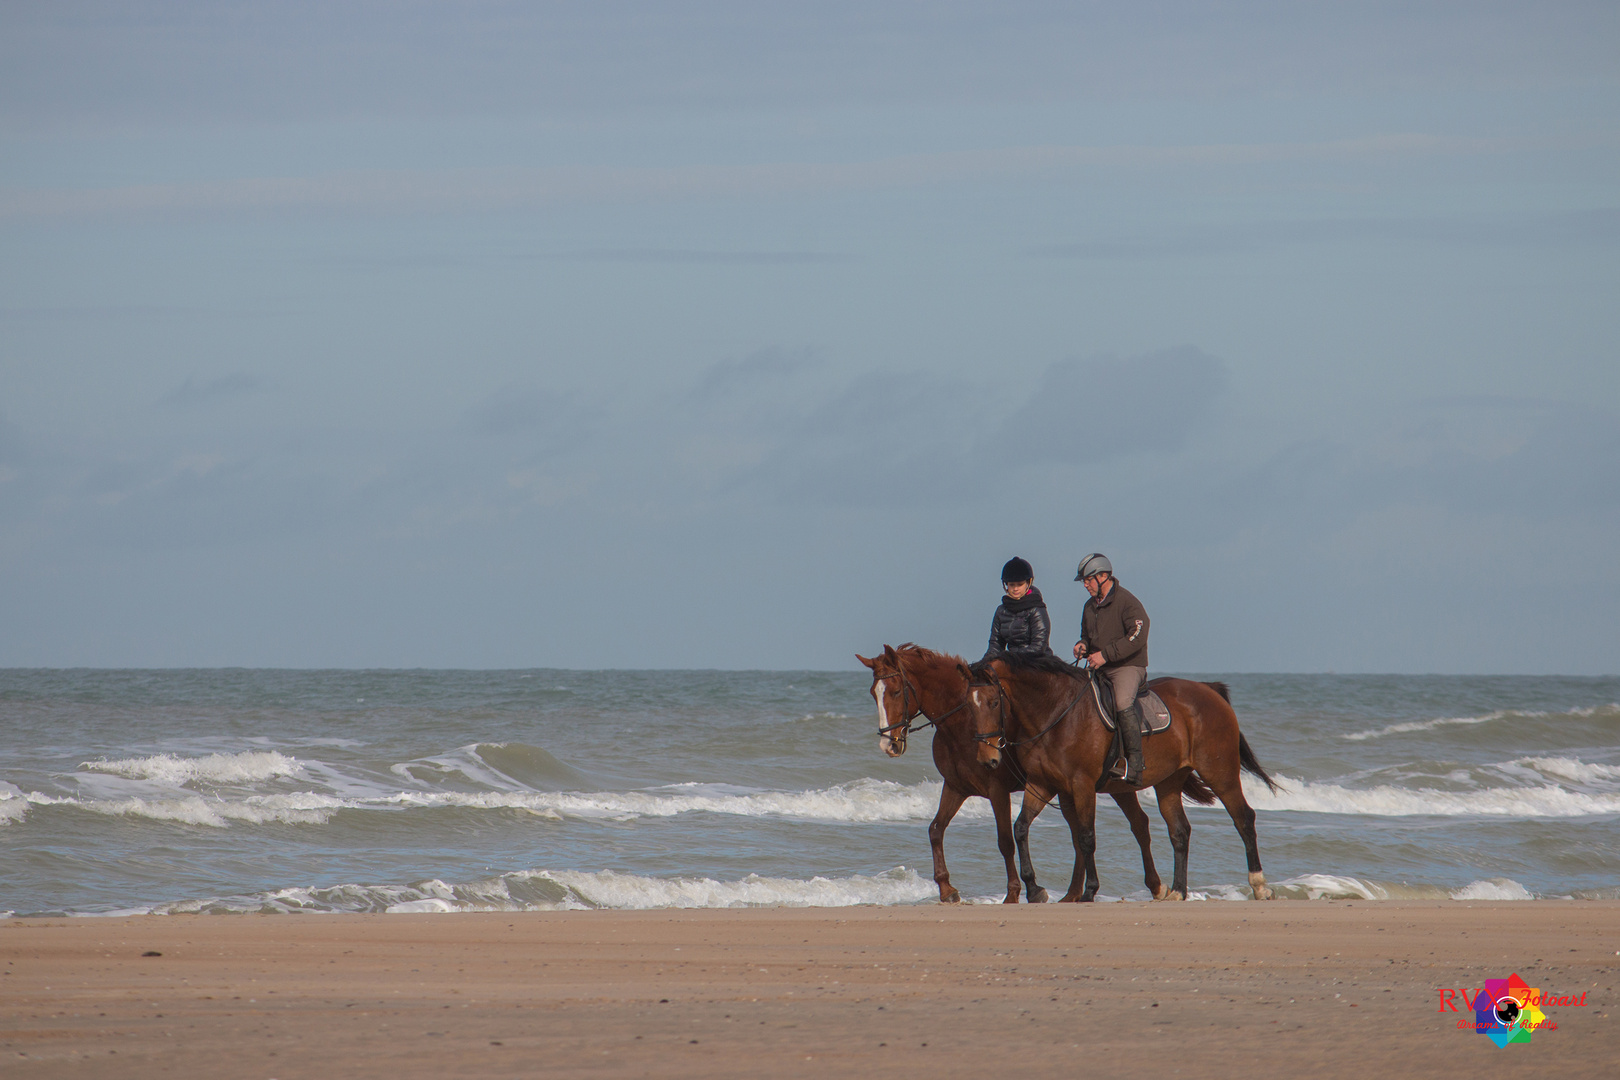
{"x": 1021, "y": 624}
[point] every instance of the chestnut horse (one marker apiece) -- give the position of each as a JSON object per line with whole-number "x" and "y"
{"x": 1052, "y": 728}
{"x": 912, "y": 681}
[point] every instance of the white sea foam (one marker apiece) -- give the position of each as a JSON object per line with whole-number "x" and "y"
{"x": 629, "y": 891}
{"x": 1548, "y": 801}
{"x": 13, "y": 803}
{"x": 861, "y": 801}
{"x": 547, "y": 890}
{"x": 1429, "y": 725}
{"x": 293, "y": 809}
{"x": 1410, "y": 726}
{"x": 1494, "y": 889}
{"x": 1345, "y": 887}
{"x": 247, "y": 767}
{"x": 1571, "y": 769}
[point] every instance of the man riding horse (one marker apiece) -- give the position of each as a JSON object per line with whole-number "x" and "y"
{"x": 1113, "y": 640}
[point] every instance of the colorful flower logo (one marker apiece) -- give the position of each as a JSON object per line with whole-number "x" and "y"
{"x": 1508, "y": 1011}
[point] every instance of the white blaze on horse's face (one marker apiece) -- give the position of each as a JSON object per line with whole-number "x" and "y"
{"x": 891, "y": 736}
{"x": 884, "y": 742}
{"x": 986, "y": 719}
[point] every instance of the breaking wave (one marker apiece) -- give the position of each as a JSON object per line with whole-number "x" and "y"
{"x": 1546, "y": 801}
{"x": 1411, "y": 726}
{"x": 248, "y": 767}
{"x": 569, "y": 890}
{"x": 1343, "y": 887}
{"x": 861, "y": 801}
{"x": 549, "y": 890}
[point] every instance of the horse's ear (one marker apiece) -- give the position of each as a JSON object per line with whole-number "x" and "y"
{"x": 890, "y": 655}
{"x": 963, "y": 670}
{"x": 869, "y": 663}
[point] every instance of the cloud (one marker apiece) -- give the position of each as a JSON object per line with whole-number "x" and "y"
{"x": 11, "y": 443}
{"x": 411, "y": 191}
{"x": 191, "y": 392}
{"x": 1102, "y": 409}
{"x": 1596, "y": 227}
{"x": 696, "y": 257}
{"x": 141, "y": 62}
{"x": 752, "y": 374}
{"x": 526, "y": 409}
{"x": 1459, "y": 462}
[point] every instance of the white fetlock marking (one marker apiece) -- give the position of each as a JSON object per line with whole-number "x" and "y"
{"x": 1257, "y": 882}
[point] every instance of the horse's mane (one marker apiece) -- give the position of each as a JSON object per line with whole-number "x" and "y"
{"x": 1046, "y": 662}
{"x": 927, "y": 656}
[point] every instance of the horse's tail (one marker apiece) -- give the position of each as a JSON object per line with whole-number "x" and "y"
{"x": 1221, "y": 689}
{"x": 1247, "y": 759}
{"x": 1195, "y": 789}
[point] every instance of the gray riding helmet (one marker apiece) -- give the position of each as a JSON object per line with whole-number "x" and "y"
{"x": 1095, "y": 563}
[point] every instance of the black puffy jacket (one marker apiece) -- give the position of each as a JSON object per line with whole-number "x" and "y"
{"x": 1021, "y": 626}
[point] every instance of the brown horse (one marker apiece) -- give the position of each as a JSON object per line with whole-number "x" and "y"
{"x": 912, "y": 681}
{"x": 1051, "y": 726}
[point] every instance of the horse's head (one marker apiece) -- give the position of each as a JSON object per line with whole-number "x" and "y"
{"x": 987, "y": 713}
{"x": 894, "y": 694}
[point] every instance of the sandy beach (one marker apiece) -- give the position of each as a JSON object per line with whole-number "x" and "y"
{"x": 1332, "y": 988}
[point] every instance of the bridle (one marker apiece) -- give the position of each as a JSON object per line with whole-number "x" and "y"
{"x": 998, "y": 738}
{"x": 908, "y": 692}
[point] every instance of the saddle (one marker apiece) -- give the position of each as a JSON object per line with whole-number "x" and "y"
{"x": 1155, "y": 718}
{"x": 1155, "y": 715}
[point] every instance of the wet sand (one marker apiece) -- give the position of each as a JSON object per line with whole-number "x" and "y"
{"x": 1325, "y": 988}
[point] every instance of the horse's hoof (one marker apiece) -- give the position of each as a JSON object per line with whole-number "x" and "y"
{"x": 1012, "y": 897}
{"x": 1162, "y": 893}
{"x": 1264, "y": 893}
{"x": 1037, "y": 896}
{"x": 950, "y": 896}
{"x": 1257, "y": 882}
{"x": 1174, "y": 894}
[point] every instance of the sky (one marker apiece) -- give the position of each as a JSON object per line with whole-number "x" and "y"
{"x": 755, "y": 335}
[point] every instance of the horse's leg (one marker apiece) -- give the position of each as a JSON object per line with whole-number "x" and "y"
{"x": 950, "y": 801}
{"x": 1175, "y": 816}
{"x": 1001, "y": 806}
{"x": 1082, "y": 817}
{"x": 1035, "y": 800}
{"x": 1142, "y": 829}
{"x": 1231, "y": 796}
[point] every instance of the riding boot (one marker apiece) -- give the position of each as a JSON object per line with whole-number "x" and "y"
{"x": 1130, "y": 732}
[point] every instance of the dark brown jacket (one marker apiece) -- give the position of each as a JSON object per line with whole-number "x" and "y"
{"x": 1117, "y": 627}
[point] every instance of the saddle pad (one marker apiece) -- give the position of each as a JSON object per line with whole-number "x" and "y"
{"x": 1155, "y": 716}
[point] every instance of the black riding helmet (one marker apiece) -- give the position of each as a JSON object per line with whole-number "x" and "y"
{"x": 1017, "y": 569}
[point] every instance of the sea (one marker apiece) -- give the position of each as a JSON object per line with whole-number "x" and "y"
{"x": 299, "y": 792}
